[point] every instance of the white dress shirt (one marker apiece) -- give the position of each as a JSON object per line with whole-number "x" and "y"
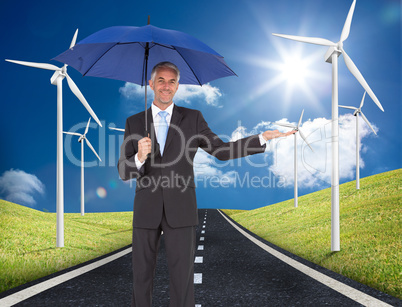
{"x": 157, "y": 118}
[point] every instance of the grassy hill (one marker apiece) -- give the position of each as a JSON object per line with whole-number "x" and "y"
{"x": 370, "y": 230}
{"x": 28, "y": 241}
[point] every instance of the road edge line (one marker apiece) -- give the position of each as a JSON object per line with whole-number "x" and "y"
{"x": 24, "y": 294}
{"x": 334, "y": 284}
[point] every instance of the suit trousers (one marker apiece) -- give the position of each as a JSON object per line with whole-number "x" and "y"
{"x": 180, "y": 251}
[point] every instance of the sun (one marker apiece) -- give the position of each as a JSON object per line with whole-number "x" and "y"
{"x": 293, "y": 71}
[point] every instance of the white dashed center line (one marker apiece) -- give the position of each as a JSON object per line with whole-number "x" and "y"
{"x": 200, "y": 259}
{"x": 197, "y": 278}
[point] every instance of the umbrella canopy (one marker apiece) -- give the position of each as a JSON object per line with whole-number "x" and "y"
{"x": 125, "y": 53}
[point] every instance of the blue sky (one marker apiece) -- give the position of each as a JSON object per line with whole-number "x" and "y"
{"x": 276, "y": 80}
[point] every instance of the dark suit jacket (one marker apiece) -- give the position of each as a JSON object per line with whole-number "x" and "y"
{"x": 168, "y": 182}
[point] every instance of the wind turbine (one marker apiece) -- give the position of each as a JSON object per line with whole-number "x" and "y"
{"x": 297, "y": 128}
{"x": 57, "y": 78}
{"x": 81, "y": 139}
{"x": 356, "y": 113}
{"x": 331, "y": 56}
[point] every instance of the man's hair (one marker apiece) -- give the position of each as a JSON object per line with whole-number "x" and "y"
{"x": 164, "y": 65}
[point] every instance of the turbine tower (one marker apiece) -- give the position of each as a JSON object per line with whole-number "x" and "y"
{"x": 356, "y": 113}
{"x": 297, "y": 128}
{"x": 335, "y": 49}
{"x": 57, "y": 78}
{"x": 82, "y": 138}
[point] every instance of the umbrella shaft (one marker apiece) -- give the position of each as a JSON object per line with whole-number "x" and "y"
{"x": 145, "y": 79}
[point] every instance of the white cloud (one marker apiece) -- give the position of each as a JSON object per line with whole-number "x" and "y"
{"x": 206, "y": 169}
{"x": 210, "y": 93}
{"x": 239, "y": 133}
{"x": 314, "y": 168}
{"x": 18, "y": 187}
{"x": 185, "y": 93}
{"x": 261, "y": 127}
{"x": 131, "y": 91}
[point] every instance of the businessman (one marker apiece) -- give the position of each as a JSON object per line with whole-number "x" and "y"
{"x": 165, "y": 198}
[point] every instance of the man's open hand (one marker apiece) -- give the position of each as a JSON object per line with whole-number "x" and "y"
{"x": 273, "y": 134}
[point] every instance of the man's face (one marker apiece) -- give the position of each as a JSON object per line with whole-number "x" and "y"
{"x": 164, "y": 86}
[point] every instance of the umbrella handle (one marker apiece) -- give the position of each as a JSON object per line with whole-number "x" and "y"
{"x": 155, "y": 146}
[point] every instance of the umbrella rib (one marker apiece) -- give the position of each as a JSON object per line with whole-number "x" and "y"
{"x": 188, "y": 66}
{"x": 107, "y": 52}
{"x": 98, "y": 60}
{"x": 162, "y": 45}
{"x": 153, "y": 44}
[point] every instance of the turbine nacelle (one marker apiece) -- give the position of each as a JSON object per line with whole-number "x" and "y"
{"x": 296, "y": 128}
{"x": 330, "y": 52}
{"x": 359, "y": 111}
{"x": 82, "y": 137}
{"x": 57, "y": 73}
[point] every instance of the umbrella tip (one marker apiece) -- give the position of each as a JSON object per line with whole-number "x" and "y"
{"x": 149, "y": 19}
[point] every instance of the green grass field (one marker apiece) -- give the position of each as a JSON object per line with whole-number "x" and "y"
{"x": 370, "y": 230}
{"x": 28, "y": 241}
{"x": 370, "y": 234}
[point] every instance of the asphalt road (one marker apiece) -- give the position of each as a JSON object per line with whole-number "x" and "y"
{"x": 230, "y": 270}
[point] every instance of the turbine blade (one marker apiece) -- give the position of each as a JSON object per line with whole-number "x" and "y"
{"x": 36, "y": 65}
{"x": 346, "y": 107}
{"x": 361, "y": 103}
{"x": 355, "y": 72}
{"x": 90, "y": 146}
{"x": 300, "y": 120}
{"x": 74, "y": 39}
{"x": 348, "y": 22}
{"x": 286, "y": 125}
{"x": 72, "y": 133}
{"x": 86, "y": 129}
{"x": 310, "y": 40}
{"x": 81, "y": 97}
{"x": 305, "y": 139}
{"x": 368, "y": 123}
{"x": 117, "y": 129}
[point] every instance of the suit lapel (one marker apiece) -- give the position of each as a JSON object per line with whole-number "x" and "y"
{"x": 174, "y": 124}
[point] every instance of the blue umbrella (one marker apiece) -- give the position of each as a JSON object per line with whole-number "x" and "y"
{"x": 125, "y": 53}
